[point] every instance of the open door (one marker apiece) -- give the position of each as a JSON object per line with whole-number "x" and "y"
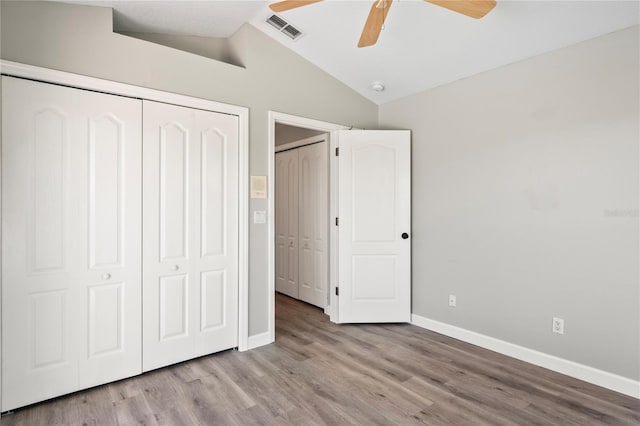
{"x": 374, "y": 211}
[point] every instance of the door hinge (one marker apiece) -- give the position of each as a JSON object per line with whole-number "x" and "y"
{"x": 337, "y": 292}
{"x": 337, "y": 221}
{"x": 337, "y": 151}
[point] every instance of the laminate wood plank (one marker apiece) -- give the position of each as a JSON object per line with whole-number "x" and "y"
{"x": 208, "y": 405}
{"x": 177, "y": 415}
{"x": 228, "y": 361}
{"x": 228, "y": 392}
{"x": 124, "y": 389}
{"x": 303, "y": 388}
{"x": 320, "y": 373}
{"x": 495, "y": 376}
{"x": 92, "y": 407}
{"x": 259, "y": 415}
{"x": 385, "y": 394}
{"x": 134, "y": 411}
{"x": 470, "y": 411}
{"x": 316, "y": 392}
{"x": 499, "y": 367}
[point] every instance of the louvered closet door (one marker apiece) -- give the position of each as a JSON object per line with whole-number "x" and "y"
{"x": 190, "y": 247}
{"x": 287, "y": 222}
{"x": 312, "y": 217}
{"x": 71, "y": 237}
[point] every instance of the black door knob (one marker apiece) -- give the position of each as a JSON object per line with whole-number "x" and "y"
{"x": 405, "y": 235}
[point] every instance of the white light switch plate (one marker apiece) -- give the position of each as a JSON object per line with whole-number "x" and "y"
{"x": 259, "y": 216}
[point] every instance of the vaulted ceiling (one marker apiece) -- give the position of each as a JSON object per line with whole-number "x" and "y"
{"x": 422, "y": 45}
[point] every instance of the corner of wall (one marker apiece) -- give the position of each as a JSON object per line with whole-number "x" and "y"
{"x": 238, "y": 46}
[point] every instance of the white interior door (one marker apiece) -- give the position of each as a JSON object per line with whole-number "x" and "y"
{"x": 313, "y": 207}
{"x": 190, "y": 247}
{"x": 286, "y": 205}
{"x": 71, "y": 235}
{"x": 374, "y": 204}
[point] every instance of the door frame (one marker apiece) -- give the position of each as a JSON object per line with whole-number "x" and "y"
{"x": 47, "y": 75}
{"x": 326, "y": 127}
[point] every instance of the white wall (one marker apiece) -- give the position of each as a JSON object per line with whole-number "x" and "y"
{"x": 525, "y": 201}
{"x": 79, "y": 39}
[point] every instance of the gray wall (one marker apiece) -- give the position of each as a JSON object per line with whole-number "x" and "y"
{"x": 285, "y": 133}
{"x": 79, "y": 39}
{"x": 209, "y": 47}
{"x": 525, "y": 201}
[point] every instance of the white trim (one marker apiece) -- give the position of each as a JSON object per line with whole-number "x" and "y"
{"x": 292, "y": 120}
{"x": 334, "y": 142}
{"x": 570, "y": 368}
{"x": 243, "y": 231}
{"x": 112, "y": 87}
{"x": 0, "y": 242}
{"x": 258, "y": 340}
{"x": 309, "y": 123}
{"x": 302, "y": 142}
{"x": 271, "y": 228}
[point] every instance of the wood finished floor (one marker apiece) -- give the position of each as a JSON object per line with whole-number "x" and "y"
{"x": 321, "y": 373}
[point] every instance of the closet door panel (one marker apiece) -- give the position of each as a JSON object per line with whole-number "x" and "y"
{"x": 313, "y": 224}
{"x": 53, "y": 342}
{"x": 213, "y": 192}
{"x": 174, "y": 307}
{"x": 175, "y": 170}
{"x": 217, "y": 233}
{"x": 292, "y": 225}
{"x": 48, "y": 189}
{"x": 106, "y": 190}
{"x": 281, "y": 221}
{"x": 191, "y": 233}
{"x": 287, "y": 223}
{"x": 169, "y": 165}
{"x": 307, "y": 213}
{"x": 111, "y": 280}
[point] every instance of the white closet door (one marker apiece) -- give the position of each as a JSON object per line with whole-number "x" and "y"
{"x": 312, "y": 160}
{"x": 71, "y": 173}
{"x": 190, "y": 247}
{"x": 287, "y": 222}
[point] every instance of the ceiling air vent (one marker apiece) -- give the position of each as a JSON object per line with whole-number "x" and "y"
{"x": 284, "y": 27}
{"x": 291, "y": 32}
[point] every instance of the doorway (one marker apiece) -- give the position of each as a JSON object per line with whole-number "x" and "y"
{"x": 373, "y": 204}
{"x": 301, "y": 214}
{"x": 284, "y": 130}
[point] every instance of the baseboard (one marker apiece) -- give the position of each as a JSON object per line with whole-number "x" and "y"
{"x": 579, "y": 371}
{"x": 259, "y": 340}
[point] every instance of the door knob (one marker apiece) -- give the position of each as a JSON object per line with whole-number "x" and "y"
{"x": 175, "y": 267}
{"x": 405, "y": 235}
{"x": 106, "y": 276}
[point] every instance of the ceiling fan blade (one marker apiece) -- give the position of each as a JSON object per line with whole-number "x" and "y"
{"x": 375, "y": 20}
{"x": 473, "y": 8}
{"x": 282, "y": 6}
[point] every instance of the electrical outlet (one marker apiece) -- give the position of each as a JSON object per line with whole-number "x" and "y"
{"x": 452, "y": 300}
{"x": 558, "y": 325}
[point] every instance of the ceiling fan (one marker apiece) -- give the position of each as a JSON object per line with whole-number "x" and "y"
{"x": 380, "y": 8}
